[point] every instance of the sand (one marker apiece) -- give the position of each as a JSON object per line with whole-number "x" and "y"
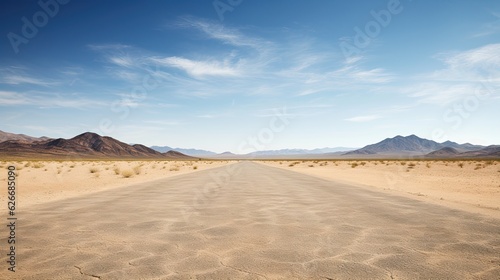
{"x": 466, "y": 185}
{"x": 46, "y": 181}
{"x": 251, "y": 221}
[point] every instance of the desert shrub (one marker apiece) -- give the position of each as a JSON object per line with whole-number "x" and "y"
{"x": 137, "y": 170}
{"x": 174, "y": 168}
{"x": 428, "y": 165}
{"x": 116, "y": 170}
{"x": 461, "y": 165}
{"x": 38, "y": 165}
{"x": 353, "y": 165}
{"x": 127, "y": 173}
{"x": 403, "y": 163}
{"x": 363, "y": 163}
{"x": 94, "y": 169}
{"x": 311, "y": 165}
{"x": 195, "y": 167}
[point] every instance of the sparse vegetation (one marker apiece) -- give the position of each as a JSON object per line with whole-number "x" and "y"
{"x": 174, "y": 168}
{"x": 461, "y": 165}
{"x": 116, "y": 170}
{"x": 127, "y": 173}
{"x": 94, "y": 169}
{"x": 38, "y": 165}
{"x": 354, "y": 165}
{"x": 137, "y": 169}
{"x": 195, "y": 167}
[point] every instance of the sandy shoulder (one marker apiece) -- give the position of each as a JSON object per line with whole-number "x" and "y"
{"x": 472, "y": 186}
{"x": 45, "y": 181}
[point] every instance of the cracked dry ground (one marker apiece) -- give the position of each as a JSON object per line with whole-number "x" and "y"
{"x": 260, "y": 222}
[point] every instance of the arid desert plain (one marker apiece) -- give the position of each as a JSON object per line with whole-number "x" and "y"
{"x": 273, "y": 219}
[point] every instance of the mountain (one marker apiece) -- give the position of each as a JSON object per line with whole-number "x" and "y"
{"x": 176, "y": 155}
{"x": 444, "y": 152}
{"x": 410, "y": 145}
{"x": 490, "y": 151}
{"x": 226, "y": 155}
{"x": 6, "y": 136}
{"x": 284, "y": 152}
{"x": 85, "y": 145}
{"x": 190, "y": 152}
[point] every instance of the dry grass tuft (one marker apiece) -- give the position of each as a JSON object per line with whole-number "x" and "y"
{"x": 127, "y": 173}
{"x": 38, "y": 165}
{"x": 137, "y": 170}
{"x": 174, "y": 168}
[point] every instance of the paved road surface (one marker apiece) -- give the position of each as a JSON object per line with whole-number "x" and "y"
{"x": 250, "y": 221}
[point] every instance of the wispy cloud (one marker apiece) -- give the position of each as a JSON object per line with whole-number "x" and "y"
{"x": 463, "y": 73}
{"x": 217, "y": 31}
{"x": 46, "y": 100}
{"x": 163, "y": 122}
{"x": 19, "y": 76}
{"x": 490, "y": 28}
{"x": 198, "y": 68}
{"x": 366, "y": 118}
{"x": 12, "y": 98}
{"x": 244, "y": 65}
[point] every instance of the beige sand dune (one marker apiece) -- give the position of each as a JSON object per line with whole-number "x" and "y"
{"x": 251, "y": 221}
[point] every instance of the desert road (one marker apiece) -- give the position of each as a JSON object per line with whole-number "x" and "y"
{"x": 250, "y": 221}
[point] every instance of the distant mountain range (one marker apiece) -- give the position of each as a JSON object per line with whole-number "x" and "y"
{"x": 257, "y": 154}
{"x": 90, "y": 145}
{"x": 414, "y": 145}
{"x": 85, "y": 145}
{"x": 300, "y": 151}
{"x": 191, "y": 152}
{"x": 4, "y": 136}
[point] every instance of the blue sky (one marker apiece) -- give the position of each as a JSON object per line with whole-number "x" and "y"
{"x": 251, "y": 75}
